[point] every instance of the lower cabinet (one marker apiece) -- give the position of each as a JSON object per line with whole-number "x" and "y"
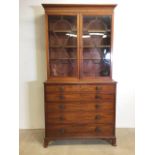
{"x": 80, "y": 111}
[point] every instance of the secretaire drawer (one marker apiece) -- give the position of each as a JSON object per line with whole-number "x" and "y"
{"x": 107, "y": 88}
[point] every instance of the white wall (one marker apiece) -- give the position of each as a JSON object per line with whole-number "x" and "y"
{"x": 32, "y": 60}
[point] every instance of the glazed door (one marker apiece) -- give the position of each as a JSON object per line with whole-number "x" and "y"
{"x": 62, "y": 39}
{"x": 96, "y": 46}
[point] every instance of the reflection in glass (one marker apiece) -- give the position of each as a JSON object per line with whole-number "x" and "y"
{"x": 63, "y": 68}
{"x": 63, "y": 46}
{"x": 96, "y": 46}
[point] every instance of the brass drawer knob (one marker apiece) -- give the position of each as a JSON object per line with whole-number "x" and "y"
{"x": 61, "y": 97}
{"x": 61, "y": 118}
{"x": 98, "y": 97}
{"x": 97, "y": 106}
{"x": 62, "y": 130}
{"x": 61, "y": 88}
{"x": 97, "y": 117}
{"x": 97, "y": 129}
{"x": 61, "y": 106}
{"x": 98, "y": 88}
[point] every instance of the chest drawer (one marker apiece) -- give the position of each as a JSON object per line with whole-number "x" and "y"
{"x": 80, "y": 117}
{"x": 73, "y": 130}
{"x": 80, "y": 106}
{"x": 50, "y": 97}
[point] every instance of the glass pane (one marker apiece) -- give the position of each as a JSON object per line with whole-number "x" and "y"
{"x": 96, "y": 46}
{"x": 63, "y": 46}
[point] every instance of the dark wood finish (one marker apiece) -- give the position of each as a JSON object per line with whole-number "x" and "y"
{"x": 80, "y": 99}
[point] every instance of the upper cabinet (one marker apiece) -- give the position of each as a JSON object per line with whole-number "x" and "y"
{"x": 79, "y": 42}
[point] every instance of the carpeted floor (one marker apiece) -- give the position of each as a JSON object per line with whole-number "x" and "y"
{"x": 31, "y": 143}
